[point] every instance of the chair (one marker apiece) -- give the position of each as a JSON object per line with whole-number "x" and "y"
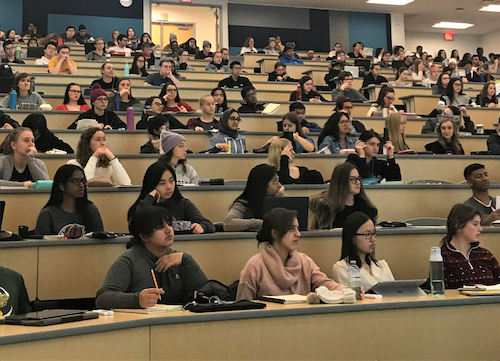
{"x": 427, "y": 221}
{"x": 429, "y": 182}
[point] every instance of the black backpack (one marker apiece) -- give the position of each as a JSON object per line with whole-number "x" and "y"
{"x": 6, "y": 78}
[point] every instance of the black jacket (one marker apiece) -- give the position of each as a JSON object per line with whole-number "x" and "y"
{"x": 437, "y": 148}
{"x": 251, "y": 108}
{"x": 173, "y": 122}
{"x": 376, "y": 168}
{"x": 306, "y": 176}
{"x": 274, "y": 77}
{"x": 49, "y": 141}
{"x": 149, "y": 148}
{"x": 229, "y": 82}
{"x": 108, "y": 118}
{"x": 5, "y": 119}
{"x": 370, "y": 79}
{"x": 493, "y": 143}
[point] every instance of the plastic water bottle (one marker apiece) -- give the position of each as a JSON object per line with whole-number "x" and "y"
{"x": 13, "y": 100}
{"x": 437, "y": 272}
{"x": 117, "y": 100}
{"x": 126, "y": 70}
{"x": 354, "y": 278}
{"x": 130, "y": 118}
{"x": 18, "y": 50}
{"x": 299, "y": 93}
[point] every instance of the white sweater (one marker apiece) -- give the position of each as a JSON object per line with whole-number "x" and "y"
{"x": 115, "y": 171}
{"x": 379, "y": 273}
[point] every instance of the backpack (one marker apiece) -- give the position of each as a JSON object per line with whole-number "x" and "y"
{"x": 6, "y": 78}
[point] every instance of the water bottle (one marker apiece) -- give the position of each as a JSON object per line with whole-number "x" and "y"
{"x": 126, "y": 70}
{"x": 130, "y": 118}
{"x": 117, "y": 100}
{"x": 354, "y": 278}
{"x": 13, "y": 100}
{"x": 299, "y": 93}
{"x": 18, "y": 50}
{"x": 437, "y": 272}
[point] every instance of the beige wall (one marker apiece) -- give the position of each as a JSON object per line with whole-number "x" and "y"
{"x": 433, "y": 42}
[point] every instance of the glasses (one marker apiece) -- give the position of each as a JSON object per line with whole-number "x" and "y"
{"x": 171, "y": 90}
{"x": 140, "y": 61}
{"x": 9, "y": 48}
{"x": 390, "y": 98}
{"x": 368, "y": 236}
{"x": 77, "y": 181}
{"x": 102, "y": 99}
{"x": 345, "y": 122}
{"x": 237, "y": 67}
{"x": 75, "y": 91}
{"x": 354, "y": 180}
{"x": 235, "y": 119}
{"x": 157, "y": 104}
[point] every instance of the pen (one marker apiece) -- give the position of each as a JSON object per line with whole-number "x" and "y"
{"x": 154, "y": 279}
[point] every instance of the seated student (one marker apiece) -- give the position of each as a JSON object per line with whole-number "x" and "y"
{"x": 345, "y": 79}
{"x": 159, "y": 189}
{"x": 235, "y": 80}
{"x": 205, "y": 52}
{"x": 279, "y": 73}
{"x": 288, "y": 56}
{"x": 82, "y": 36}
{"x": 69, "y": 35}
{"x": 175, "y": 148}
{"x": 182, "y": 58}
{"x": 401, "y": 77}
{"x": 345, "y": 105}
{"x": 384, "y": 101}
{"x": 307, "y": 92}
{"x": 220, "y": 99}
{"x": 62, "y": 64}
{"x": 45, "y": 140}
{"x": 109, "y": 81}
{"x": 19, "y": 167}
{"x": 153, "y": 106}
{"x": 22, "y": 86}
{"x": 148, "y": 54}
{"x": 395, "y": 126}
{"x": 127, "y": 100}
{"x": 279, "y": 269}
{"x": 49, "y": 52}
{"x": 145, "y": 38}
{"x": 373, "y": 77}
{"x": 216, "y": 65}
{"x": 357, "y": 51}
{"x": 73, "y": 99}
{"x": 465, "y": 262}
{"x": 14, "y": 294}
{"x": 98, "y": 54}
{"x": 249, "y": 95}
{"x": 386, "y": 59}
{"x": 164, "y": 76}
{"x": 290, "y": 123}
{"x": 121, "y": 47}
{"x": 68, "y": 205}
{"x": 6, "y": 122}
{"x": 493, "y": 141}
{"x": 300, "y": 110}
{"x": 418, "y": 70}
{"x": 454, "y": 95}
{"x": 430, "y": 125}
{"x": 440, "y": 87}
{"x": 333, "y": 73}
{"x": 281, "y": 156}
{"x": 10, "y": 53}
{"x": 447, "y": 142}
{"x": 358, "y": 244}
{"x": 245, "y": 214}
{"x": 336, "y": 135}
{"x": 207, "y": 120}
{"x": 228, "y": 139}
{"x": 106, "y": 119}
{"x": 478, "y": 180}
{"x": 129, "y": 284}
{"x": 248, "y": 47}
{"x": 433, "y": 79}
{"x": 488, "y": 97}
{"x": 155, "y": 126}
{"x": 139, "y": 66}
{"x": 272, "y": 48}
{"x": 190, "y": 46}
{"x": 344, "y": 196}
{"x": 97, "y": 161}
{"x": 172, "y": 101}
{"x": 365, "y": 159}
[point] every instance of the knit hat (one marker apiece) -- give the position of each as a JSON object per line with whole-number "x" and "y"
{"x": 172, "y": 36}
{"x": 96, "y": 91}
{"x": 206, "y": 43}
{"x": 169, "y": 140}
{"x": 272, "y": 38}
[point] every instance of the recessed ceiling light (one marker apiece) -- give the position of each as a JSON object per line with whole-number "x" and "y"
{"x": 494, "y": 8}
{"x": 450, "y": 25}
{"x": 389, "y": 2}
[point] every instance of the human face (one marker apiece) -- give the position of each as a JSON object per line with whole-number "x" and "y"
{"x": 347, "y": 108}
{"x": 308, "y": 86}
{"x": 479, "y": 180}
{"x": 280, "y": 70}
{"x": 124, "y": 84}
{"x": 140, "y": 62}
{"x": 251, "y": 43}
{"x": 116, "y": 33}
{"x": 50, "y": 51}
{"x": 365, "y": 238}
{"x": 471, "y": 231}
{"x": 272, "y": 44}
{"x": 354, "y": 182}
{"x": 402, "y": 125}
{"x": 234, "y": 121}
{"x": 225, "y": 54}
{"x": 24, "y": 143}
{"x": 310, "y": 54}
{"x": 357, "y": 47}
{"x": 156, "y": 106}
{"x": 209, "y": 105}
{"x": 290, "y": 240}
{"x": 101, "y": 102}
{"x": 163, "y": 237}
{"x": 273, "y": 186}
{"x": 70, "y": 33}
{"x": 344, "y": 125}
{"x": 341, "y": 56}
{"x": 301, "y": 113}
{"x": 146, "y": 50}
{"x": 491, "y": 90}
{"x": 389, "y": 99}
{"x": 457, "y": 86}
{"x": 123, "y": 43}
{"x": 109, "y": 70}
{"x": 217, "y": 58}
{"x": 403, "y": 76}
{"x": 12, "y": 35}
{"x": 447, "y": 129}
{"x": 289, "y": 53}
{"x": 289, "y": 126}
{"x": 387, "y": 57}
{"x": 74, "y": 92}
{"x": 445, "y": 79}
{"x": 130, "y": 32}
{"x": 236, "y": 70}
{"x": 434, "y": 73}
{"x": 63, "y": 53}
{"x": 278, "y": 40}
{"x": 75, "y": 185}
{"x": 32, "y": 43}
{"x": 184, "y": 57}
{"x": 165, "y": 68}
{"x": 218, "y": 97}
{"x": 9, "y": 50}
{"x": 376, "y": 70}
{"x": 207, "y": 48}
{"x": 372, "y": 147}
{"x": 251, "y": 97}
{"x": 347, "y": 83}
{"x": 337, "y": 47}
{"x": 31, "y": 27}
{"x": 180, "y": 150}
{"x": 171, "y": 92}
{"x": 99, "y": 45}
{"x": 475, "y": 61}
{"x": 25, "y": 84}
{"x": 97, "y": 141}
{"x": 83, "y": 32}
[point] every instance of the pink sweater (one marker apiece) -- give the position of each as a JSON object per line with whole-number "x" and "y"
{"x": 264, "y": 274}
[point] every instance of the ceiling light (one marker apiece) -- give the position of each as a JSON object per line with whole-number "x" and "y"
{"x": 494, "y": 8}
{"x": 450, "y": 25}
{"x": 389, "y": 2}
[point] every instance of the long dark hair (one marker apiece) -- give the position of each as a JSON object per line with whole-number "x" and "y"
{"x": 453, "y": 144}
{"x": 349, "y": 250}
{"x": 20, "y": 77}
{"x": 83, "y": 151}
{"x": 450, "y": 93}
{"x": 135, "y": 69}
{"x": 484, "y": 92}
{"x": 164, "y": 91}
{"x": 224, "y": 103}
{"x": 56, "y": 195}
{"x": 440, "y": 81}
{"x": 279, "y": 220}
{"x": 331, "y": 127}
{"x": 381, "y": 95}
{"x": 151, "y": 179}
{"x": 302, "y": 81}
{"x": 292, "y": 117}
{"x": 81, "y": 101}
{"x": 130, "y": 96}
{"x": 458, "y": 218}
{"x": 36, "y": 121}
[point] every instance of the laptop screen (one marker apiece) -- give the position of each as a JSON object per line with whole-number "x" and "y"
{"x": 299, "y": 204}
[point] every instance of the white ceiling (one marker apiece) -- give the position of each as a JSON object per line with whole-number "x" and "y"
{"x": 419, "y": 15}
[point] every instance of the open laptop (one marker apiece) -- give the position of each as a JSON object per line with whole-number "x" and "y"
{"x": 408, "y": 288}
{"x": 354, "y": 70}
{"x": 365, "y": 63}
{"x": 299, "y": 204}
{"x": 36, "y": 52}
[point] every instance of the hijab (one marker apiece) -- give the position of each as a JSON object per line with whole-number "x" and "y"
{"x": 224, "y": 126}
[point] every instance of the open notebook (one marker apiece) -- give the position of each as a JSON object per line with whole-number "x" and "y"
{"x": 151, "y": 310}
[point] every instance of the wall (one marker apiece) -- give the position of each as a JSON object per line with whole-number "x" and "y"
{"x": 490, "y": 42}
{"x": 339, "y": 29}
{"x": 369, "y": 28}
{"x": 11, "y": 15}
{"x": 397, "y": 30}
{"x": 433, "y": 42}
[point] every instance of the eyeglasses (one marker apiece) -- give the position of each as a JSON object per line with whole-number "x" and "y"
{"x": 235, "y": 119}
{"x": 75, "y": 91}
{"x": 101, "y": 99}
{"x": 157, "y": 104}
{"x": 354, "y": 180}
{"x": 9, "y": 47}
{"x": 369, "y": 236}
{"x": 348, "y": 107}
{"x": 390, "y": 98}
{"x": 171, "y": 90}
{"x": 344, "y": 122}
{"x": 77, "y": 181}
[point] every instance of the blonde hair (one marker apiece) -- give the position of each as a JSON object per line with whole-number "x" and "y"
{"x": 203, "y": 98}
{"x": 392, "y": 123}
{"x": 13, "y": 136}
{"x": 275, "y": 149}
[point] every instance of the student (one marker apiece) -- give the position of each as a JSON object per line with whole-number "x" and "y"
{"x": 454, "y": 95}
{"x": 365, "y": 159}
{"x": 22, "y": 85}
{"x": 6, "y": 122}
{"x": 430, "y": 125}
{"x": 159, "y": 189}
{"x": 225, "y": 56}
{"x": 433, "y": 79}
{"x": 336, "y": 134}
{"x": 272, "y": 48}
{"x": 146, "y": 49}
{"x": 358, "y": 244}
{"x": 49, "y": 51}
{"x": 386, "y": 60}
{"x": 98, "y": 54}
{"x": 164, "y": 76}
{"x": 182, "y": 58}
{"x": 345, "y": 79}
{"x": 300, "y": 110}
{"x": 129, "y": 283}
{"x": 220, "y": 99}
{"x": 279, "y": 269}
{"x": 153, "y": 107}
{"x": 62, "y": 64}
{"x": 288, "y": 56}
{"x": 205, "y": 53}
{"x": 45, "y": 140}
{"x": 13, "y": 292}
{"x": 82, "y": 36}
{"x": 207, "y": 120}
{"x": 139, "y": 66}
{"x": 345, "y": 105}
{"x": 290, "y": 123}
{"x": 418, "y": 70}
{"x": 488, "y": 97}
{"x": 106, "y": 119}
{"x": 114, "y": 38}
{"x": 373, "y": 77}
{"x": 73, "y": 99}
{"x": 174, "y": 148}
{"x": 121, "y": 47}
{"x": 97, "y": 161}
{"x": 245, "y": 214}
{"x": 440, "y": 87}
{"x": 307, "y": 92}
{"x": 447, "y": 142}
{"x": 344, "y": 196}
{"x": 228, "y": 138}
{"x": 357, "y": 51}
{"x": 281, "y": 156}
{"x": 155, "y": 126}
{"x": 251, "y": 105}
{"x": 465, "y": 261}
{"x": 395, "y": 126}
{"x": 172, "y": 38}
{"x": 127, "y": 100}
{"x": 216, "y": 65}
{"x": 108, "y": 81}
{"x": 386, "y": 97}
{"x": 19, "y": 167}
{"x": 248, "y": 47}
{"x": 68, "y": 205}
{"x": 478, "y": 180}
{"x": 493, "y": 141}
{"x": 10, "y": 53}
{"x": 172, "y": 101}
{"x": 279, "y": 73}
{"x": 190, "y": 46}
{"x": 235, "y": 80}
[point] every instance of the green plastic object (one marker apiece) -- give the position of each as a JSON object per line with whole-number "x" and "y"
{"x": 42, "y": 184}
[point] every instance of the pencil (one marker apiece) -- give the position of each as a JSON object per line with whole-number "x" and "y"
{"x": 154, "y": 279}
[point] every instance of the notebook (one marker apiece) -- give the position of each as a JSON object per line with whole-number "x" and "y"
{"x": 285, "y": 299}
{"x": 299, "y": 204}
{"x": 271, "y": 108}
{"x": 151, "y": 310}
{"x": 406, "y": 288}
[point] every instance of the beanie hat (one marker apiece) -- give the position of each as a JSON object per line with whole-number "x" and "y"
{"x": 172, "y": 36}
{"x": 206, "y": 43}
{"x": 96, "y": 91}
{"x": 272, "y": 38}
{"x": 169, "y": 140}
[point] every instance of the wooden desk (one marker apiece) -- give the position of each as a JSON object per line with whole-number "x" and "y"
{"x": 469, "y": 143}
{"x": 374, "y": 90}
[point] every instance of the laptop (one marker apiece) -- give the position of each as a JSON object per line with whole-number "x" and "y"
{"x": 407, "y": 288}
{"x": 354, "y": 70}
{"x": 299, "y": 204}
{"x": 363, "y": 62}
{"x": 36, "y": 52}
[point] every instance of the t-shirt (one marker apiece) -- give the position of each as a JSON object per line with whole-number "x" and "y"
{"x": 13, "y": 295}
{"x": 156, "y": 79}
{"x": 119, "y": 51}
{"x": 106, "y": 86}
{"x": 54, "y": 220}
{"x": 480, "y": 207}
{"x": 21, "y": 177}
{"x": 353, "y": 56}
{"x": 177, "y": 108}
{"x": 83, "y": 107}
{"x": 359, "y": 205}
{"x": 64, "y": 66}
{"x": 229, "y": 82}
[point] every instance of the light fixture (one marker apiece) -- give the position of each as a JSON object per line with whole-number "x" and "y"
{"x": 494, "y": 8}
{"x": 451, "y": 25}
{"x": 126, "y": 3}
{"x": 389, "y": 2}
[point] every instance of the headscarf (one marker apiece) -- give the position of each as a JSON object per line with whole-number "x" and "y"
{"x": 224, "y": 126}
